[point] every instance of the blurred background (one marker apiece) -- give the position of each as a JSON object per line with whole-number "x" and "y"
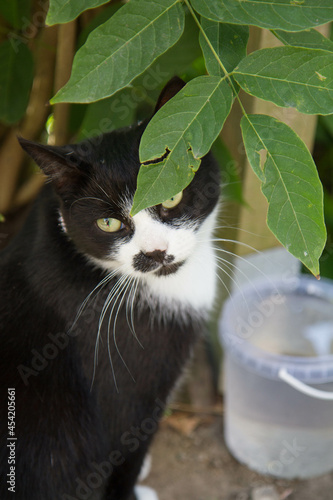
{"x": 35, "y": 62}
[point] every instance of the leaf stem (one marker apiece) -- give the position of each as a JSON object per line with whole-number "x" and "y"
{"x": 227, "y": 75}
{"x": 206, "y": 38}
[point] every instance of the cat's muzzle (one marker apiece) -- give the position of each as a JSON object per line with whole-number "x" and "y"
{"x": 157, "y": 261}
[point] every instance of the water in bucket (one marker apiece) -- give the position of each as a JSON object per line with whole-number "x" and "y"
{"x": 278, "y": 340}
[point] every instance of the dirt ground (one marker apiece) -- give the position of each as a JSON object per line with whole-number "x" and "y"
{"x": 196, "y": 465}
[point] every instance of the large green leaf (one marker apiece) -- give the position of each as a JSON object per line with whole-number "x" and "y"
{"x": 63, "y": 11}
{"x": 16, "y": 77}
{"x": 122, "y": 48}
{"x": 174, "y": 61}
{"x": 287, "y": 15}
{"x": 229, "y": 42}
{"x": 123, "y": 108}
{"x": 290, "y": 76}
{"x": 311, "y": 39}
{"x": 176, "y": 138}
{"x": 291, "y": 185}
{"x": 16, "y": 12}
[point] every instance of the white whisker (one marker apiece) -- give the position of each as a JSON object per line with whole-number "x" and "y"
{"x": 232, "y": 267}
{"x": 106, "y": 305}
{"x": 248, "y": 262}
{"x": 100, "y": 187}
{"x": 130, "y": 305}
{"x": 226, "y": 240}
{"x": 238, "y": 228}
{"x": 100, "y": 285}
{"x": 126, "y": 284}
{"x": 230, "y": 276}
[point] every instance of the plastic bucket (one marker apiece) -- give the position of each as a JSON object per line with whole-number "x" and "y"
{"x": 278, "y": 345}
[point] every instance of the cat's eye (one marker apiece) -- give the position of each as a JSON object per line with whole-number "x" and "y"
{"x": 109, "y": 225}
{"x": 174, "y": 201}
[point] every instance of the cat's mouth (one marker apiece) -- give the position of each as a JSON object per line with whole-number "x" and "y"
{"x": 165, "y": 270}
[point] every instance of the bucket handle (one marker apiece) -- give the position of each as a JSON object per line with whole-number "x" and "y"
{"x": 301, "y": 387}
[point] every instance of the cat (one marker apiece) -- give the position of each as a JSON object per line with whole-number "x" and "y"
{"x": 99, "y": 312}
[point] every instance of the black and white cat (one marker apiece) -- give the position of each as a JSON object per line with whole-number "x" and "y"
{"x": 99, "y": 311}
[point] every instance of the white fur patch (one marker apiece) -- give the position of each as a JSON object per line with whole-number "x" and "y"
{"x": 146, "y": 468}
{"x": 152, "y": 235}
{"x": 145, "y": 493}
{"x": 62, "y": 222}
{"x": 194, "y": 284}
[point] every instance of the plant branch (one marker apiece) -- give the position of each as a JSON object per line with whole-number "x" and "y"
{"x": 65, "y": 56}
{"x": 226, "y": 73}
{"x": 11, "y": 155}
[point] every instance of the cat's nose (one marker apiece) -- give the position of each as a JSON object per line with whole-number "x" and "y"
{"x": 149, "y": 261}
{"x": 156, "y": 255}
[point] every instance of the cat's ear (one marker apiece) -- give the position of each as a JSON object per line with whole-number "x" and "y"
{"x": 58, "y": 163}
{"x": 170, "y": 90}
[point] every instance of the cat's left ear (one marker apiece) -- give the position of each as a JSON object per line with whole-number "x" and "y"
{"x": 58, "y": 163}
{"x": 170, "y": 90}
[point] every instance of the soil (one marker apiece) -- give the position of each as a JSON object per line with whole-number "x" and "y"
{"x": 196, "y": 465}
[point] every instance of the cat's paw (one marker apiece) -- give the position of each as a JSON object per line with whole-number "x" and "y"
{"x": 145, "y": 493}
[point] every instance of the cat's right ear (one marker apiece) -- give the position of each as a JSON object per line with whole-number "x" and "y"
{"x": 170, "y": 90}
{"x": 57, "y": 163}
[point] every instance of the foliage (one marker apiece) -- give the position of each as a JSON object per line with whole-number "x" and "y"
{"x": 16, "y": 77}
{"x": 125, "y": 60}
{"x": 288, "y": 207}
{"x": 178, "y": 127}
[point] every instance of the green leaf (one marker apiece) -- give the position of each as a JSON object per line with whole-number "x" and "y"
{"x": 16, "y": 12}
{"x": 184, "y": 129}
{"x": 229, "y": 42}
{"x": 291, "y": 185}
{"x": 290, "y": 76}
{"x": 174, "y": 61}
{"x": 63, "y": 11}
{"x": 122, "y": 48}
{"x": 121, "y": 109}
{"x": 16, "y": 77}
{"x": 310, "y": 39}
{"x": 287, "y": 15}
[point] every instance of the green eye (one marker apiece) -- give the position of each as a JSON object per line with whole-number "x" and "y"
{"x": 109, "y": 225}
{"x": 174, "y": 201}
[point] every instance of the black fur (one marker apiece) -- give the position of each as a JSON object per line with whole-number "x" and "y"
{"x": 77, "y": 439}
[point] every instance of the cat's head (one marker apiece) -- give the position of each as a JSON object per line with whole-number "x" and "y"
{"x": 95, "y": 181}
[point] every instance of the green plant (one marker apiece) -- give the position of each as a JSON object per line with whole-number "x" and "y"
{"x": 134, "y": 39}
